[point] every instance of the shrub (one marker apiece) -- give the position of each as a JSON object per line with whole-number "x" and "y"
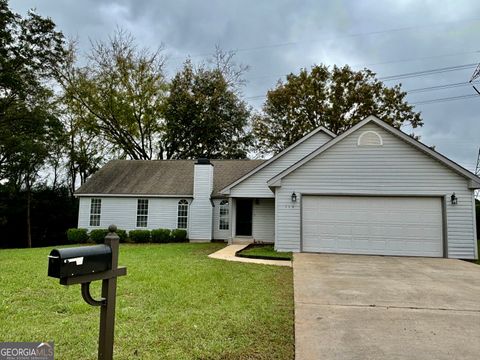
{"x": 139, "y": 236}
{"x": 77, "y": 236}
{"x": 122, "y": 234}
{"x": 161, "y": 235}
{"x": 179, "y": 235}
{"x": 98, "y": 235}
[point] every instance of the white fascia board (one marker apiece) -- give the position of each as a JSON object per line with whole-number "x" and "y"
{"x": 226, "y": 190}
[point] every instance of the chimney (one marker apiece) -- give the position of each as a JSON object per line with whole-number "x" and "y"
{"x": 201, "y": 212}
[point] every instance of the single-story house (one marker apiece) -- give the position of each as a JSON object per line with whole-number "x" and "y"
{"x": 371, "y": 190}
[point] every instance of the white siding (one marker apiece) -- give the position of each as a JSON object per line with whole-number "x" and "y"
{"x": 217, "y": 233}
{"x": 162, "y": 213}
{"x": 396, "y": 168}
{"x": 263, "y": 220}
{"x": 256, "y": 185}
{"x": 201, "y": 209}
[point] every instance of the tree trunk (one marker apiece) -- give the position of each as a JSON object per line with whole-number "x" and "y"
{"x": 29, "y": 201}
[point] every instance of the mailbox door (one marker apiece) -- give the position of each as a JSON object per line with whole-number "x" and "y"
{"x": 83, "y": 260}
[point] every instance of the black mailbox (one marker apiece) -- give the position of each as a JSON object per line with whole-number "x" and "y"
{"x": 83, "y": 260}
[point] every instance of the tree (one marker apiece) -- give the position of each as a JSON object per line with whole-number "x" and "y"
{"x": 336, "y": 99}
{"x": 86, "y": 151}
{"x": 30, "y": 52}
{"x": 119, "y": 95}
{"x": 204, "y": 115}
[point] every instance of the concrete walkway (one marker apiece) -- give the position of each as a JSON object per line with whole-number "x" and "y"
{"x": 374, "y": 307}
{"x": 228, "y": 253}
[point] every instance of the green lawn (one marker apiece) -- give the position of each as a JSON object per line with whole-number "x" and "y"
{"x": 175, "y": 303}
{"x": 264, "y": 252}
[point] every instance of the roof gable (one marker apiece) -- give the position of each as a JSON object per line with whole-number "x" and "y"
{"x": 226, "y": 189}
{"x": 474, "y": 180}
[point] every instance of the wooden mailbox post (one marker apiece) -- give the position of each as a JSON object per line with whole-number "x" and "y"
{"x": 82, "y": 265}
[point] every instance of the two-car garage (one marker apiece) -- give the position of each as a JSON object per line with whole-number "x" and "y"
{"x": 374, "y": 190}
{"x": 378, "y": 225}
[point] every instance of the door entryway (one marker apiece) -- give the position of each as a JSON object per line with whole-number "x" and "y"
{"x": 244, "y": 217}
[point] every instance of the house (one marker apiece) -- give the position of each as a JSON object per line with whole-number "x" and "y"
{"x": 371, "y": 190}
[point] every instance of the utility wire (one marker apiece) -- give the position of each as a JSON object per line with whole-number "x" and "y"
{"x": 381, "y": 63}
{"x": 440, "y": 87}
{"x": 420, "y": 58}
{"x": 428, "y": 72}
{"x": 352, "y": 35}
{"x": 440, "y": 100}
{"x": 445, "y": 99}
{"x": 417, "y": 74}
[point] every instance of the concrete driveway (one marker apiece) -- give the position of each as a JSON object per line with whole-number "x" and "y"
{"x": 374, "y": 307}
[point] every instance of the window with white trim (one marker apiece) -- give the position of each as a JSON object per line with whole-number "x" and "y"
{"x": 142, "y": 212}
{"x": 182, "y": 219}
{"x": 95, "y": 211}
{"x": 224, "y": 220}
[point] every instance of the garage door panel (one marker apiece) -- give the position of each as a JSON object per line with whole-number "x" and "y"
{"x": 408, "y": 226}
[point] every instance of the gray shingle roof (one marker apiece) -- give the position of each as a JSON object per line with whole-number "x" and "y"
{"x": 161, "y": 177}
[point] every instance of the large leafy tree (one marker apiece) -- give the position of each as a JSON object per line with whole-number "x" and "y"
{"x": 119, "y": 95}
{"x": 336, "y": 98}
{"x": 204, "y": 115}
{"x": 30, "y": 52}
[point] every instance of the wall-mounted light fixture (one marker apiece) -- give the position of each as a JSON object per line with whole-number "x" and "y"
{"x": 454, "y": 199}
{"x": 294, "y": 197}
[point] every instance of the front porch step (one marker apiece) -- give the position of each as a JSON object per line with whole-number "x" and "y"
{"x": 242, "y": 240}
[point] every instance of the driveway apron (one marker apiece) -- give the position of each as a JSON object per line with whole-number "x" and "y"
{"x": 375, "y": 307}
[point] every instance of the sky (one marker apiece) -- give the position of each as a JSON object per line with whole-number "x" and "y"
{"x": 277, "y": 37}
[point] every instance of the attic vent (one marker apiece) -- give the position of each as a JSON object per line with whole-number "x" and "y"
{"x": 370, "y": 138}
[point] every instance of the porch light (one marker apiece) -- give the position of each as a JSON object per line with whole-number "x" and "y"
{"x": 454, "y": 199}
{"x": 294, "y": 197}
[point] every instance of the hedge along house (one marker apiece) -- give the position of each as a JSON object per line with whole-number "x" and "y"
{"x": 371, "y": 190}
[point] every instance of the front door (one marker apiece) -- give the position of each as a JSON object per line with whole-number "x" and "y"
{"x": 244, "y": 217}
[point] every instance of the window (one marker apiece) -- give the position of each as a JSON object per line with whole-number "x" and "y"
{"x": 224, "y": 220}
{"x": 95, "y": 210}
{"x": 142, "y": 212}
{"x": 182, "y": 219}
{"x": 370, "y": 138}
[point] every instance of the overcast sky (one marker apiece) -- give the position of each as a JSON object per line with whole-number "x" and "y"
{"x": 276, "y": 37}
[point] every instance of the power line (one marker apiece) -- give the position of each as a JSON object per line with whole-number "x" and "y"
{"x": 352, "y": 35}
{"x": 439, "y": 87}
{"x": 412, "y": 91}
{"x": 382, "y": 63}
{"x": 428, "y": 72}
{"x": 420, "y": 58}
{"x": 425, "y": 102}
{"x": 445, "y": 99}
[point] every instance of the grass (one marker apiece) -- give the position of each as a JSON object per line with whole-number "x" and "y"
{"x": 264, "y": 252}
{"x": 175, "y": 303}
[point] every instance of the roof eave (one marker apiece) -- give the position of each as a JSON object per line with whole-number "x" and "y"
{"x": 134, "y": 195}
{"x": 474, "y": 181}
{"x": 473, "y": 184}
{"x": 226, "y": 190}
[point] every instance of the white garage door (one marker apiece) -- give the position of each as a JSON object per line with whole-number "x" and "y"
{"x": 410, "y": 226}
